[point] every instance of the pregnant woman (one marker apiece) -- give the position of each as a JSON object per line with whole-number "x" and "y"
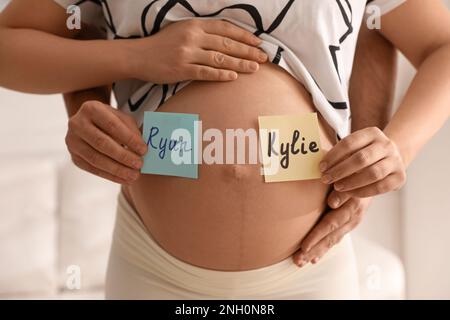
{"x": 228, "y": 234}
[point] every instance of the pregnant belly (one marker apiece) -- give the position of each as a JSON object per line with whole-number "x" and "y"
{"x": 230, "y": 219}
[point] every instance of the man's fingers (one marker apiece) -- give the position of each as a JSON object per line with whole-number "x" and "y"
{"x": 103, "y": 143}
{"x": 227, "y": 29}
{"x": 347, "y": 146}
{"x": 84, "y": 165}
{"x": 354, "y": 213}
{"x": 369, "y": 175}
{"x": 113, "y": 126}
{"x": 332, "y": 221}
{"x": 322, "y": 247}
{"x": 337, "y": 199}
{"x": 357, "y": 161}
{"x": 103, "y": 163}
{"x": 233, "y": 48}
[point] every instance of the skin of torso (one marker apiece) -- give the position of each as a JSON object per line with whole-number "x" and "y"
{"x": 230, "y": 219}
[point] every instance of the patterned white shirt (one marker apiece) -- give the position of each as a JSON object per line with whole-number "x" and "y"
{"x": 314, "y": 40}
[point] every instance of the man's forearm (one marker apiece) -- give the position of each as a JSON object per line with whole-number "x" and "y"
{"x": 373, "y": 81}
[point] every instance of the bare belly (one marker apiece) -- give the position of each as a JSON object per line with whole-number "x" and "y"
{"x": 230, "y": 219}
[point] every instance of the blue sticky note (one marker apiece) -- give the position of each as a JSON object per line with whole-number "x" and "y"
{"x": 172, "y": 144}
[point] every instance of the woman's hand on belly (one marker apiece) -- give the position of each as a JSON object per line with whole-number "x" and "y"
{"x": 211, "y": 50}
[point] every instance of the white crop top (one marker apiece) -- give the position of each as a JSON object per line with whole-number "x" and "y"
{"x": 314, "y": 40}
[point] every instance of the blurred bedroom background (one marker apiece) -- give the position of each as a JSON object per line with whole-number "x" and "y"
{"x": 56, "y": 221}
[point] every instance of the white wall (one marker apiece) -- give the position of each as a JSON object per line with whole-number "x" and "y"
{"x": 40, "y": 119}
{"x": 3, "y": 3}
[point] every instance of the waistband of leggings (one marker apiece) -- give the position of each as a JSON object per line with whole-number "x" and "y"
{"x": 133, "y": 242}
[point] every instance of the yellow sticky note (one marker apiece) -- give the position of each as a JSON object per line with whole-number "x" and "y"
{"x": 290, "y": 147}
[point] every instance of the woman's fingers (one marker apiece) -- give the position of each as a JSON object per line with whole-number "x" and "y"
{"x": 101, "y": 162}
{"x": 84, "y": 165}
{"x": 104, "y": 144}
{"x": 109, "y": 123}
{"x": 357, "y": 161}
{"x": 337, "y": 199}
{"x": 349, "y": 145}
{"x": 219, "y": 60}
{"x": 364, "y": 164}
{"x": 373, "y": 173}
{"x": 229, "y": 30}
{"x": 390, "y": 183}
{"x": 233, "y": 48}
{"x": 205, "y": 73}
{"x": 94, "y": 140}
{"x": 128, "y": 121}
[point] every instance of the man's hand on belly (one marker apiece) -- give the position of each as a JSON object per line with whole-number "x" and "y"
{"x": 334, "y": 225}
{"x": 371, "y": 90}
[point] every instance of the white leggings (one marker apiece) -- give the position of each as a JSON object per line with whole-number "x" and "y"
{"x": 139, "y": 268}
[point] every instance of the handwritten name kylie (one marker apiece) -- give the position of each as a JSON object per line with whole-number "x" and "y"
{"x": 293, "y": 147}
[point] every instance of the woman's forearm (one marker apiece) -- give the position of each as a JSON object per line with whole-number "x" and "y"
{"x": 426, "y": 106}
{"x": 74, "y": 100}
{"x": 38, "y": 62}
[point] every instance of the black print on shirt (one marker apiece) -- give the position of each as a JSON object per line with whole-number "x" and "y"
{"x": 251, "y": 10}
{"x": 149, "y": 26}
{"x": 348, "y": 19}
{"x": 348, "y": 22}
